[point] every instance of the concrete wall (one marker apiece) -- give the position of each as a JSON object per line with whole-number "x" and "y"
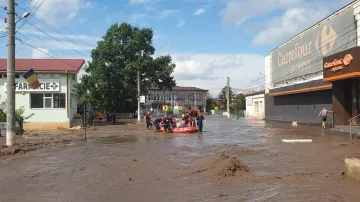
{"x": 267, "y": 73}
{"x": 251, "y": 112}
{"x": 301, "y": 107}
{"x": 46, "y": 118}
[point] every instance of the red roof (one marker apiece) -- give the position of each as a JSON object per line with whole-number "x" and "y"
{"x": 46, "y": 65}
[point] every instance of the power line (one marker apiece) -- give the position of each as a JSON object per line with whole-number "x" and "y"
{"x": 45, "y": 14}
{"x": 44, "y": 42}
{"x": 31, "y": 14}
{"x": 33, "y": 47}
{"x": 44, "y": 32}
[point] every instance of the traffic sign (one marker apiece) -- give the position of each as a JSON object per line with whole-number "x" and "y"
{"x": 165, "y": 107}
{"x": 180, "y": 107}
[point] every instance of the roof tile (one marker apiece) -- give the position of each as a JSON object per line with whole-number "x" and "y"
{"x": 46, "y": 65}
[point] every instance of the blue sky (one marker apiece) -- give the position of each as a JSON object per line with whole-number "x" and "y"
{"x": 208, "y": 39}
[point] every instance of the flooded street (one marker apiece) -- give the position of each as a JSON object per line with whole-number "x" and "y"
{"x": 233, "y": 160}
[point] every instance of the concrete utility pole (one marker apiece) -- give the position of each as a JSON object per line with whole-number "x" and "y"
{"x": 138, "y": 88}
{"x": 228, "y": 97}
{"x": 10, "y": 115}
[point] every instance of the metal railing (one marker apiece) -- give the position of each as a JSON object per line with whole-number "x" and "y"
{"x": 350, "y": 120}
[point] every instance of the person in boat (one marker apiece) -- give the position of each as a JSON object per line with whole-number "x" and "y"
{"x": 191, "y": 121}
{"x": 199, "y": 121}
{"x": 157, "y": 122}
{"x": 148, "y": 120}
{"x": 186, "y": 118}
{"x": 167, "y": 124}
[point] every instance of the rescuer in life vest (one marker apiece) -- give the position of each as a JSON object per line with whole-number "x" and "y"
{"x": 167, "y": 124}
{"x": 148, "y": 120}
{"x": 157, "y": 122}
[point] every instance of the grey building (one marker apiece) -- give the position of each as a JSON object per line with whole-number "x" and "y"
{"x": 186, "y": 97}
{"x": 296, "y": 88}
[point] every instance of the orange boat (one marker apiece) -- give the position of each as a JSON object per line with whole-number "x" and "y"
{"x": 189, "y": 129}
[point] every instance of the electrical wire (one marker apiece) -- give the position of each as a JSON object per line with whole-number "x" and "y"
{"x": 33, "y": 47}
{"x": 31, "y": 14}
{"x": 45, "y": 43}
{"x": 48, "y": 34}
{"x": 46, "y": 15}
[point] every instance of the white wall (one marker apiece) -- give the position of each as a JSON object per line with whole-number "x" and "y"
{"x": 251, "y": 105}
{"x": 267, "y": 73}
{"x": 44, "y": 115}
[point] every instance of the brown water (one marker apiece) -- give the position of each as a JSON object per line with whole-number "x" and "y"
{"x": 233, "y": 160}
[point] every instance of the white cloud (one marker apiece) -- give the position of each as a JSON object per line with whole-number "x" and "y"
{"x": 135, "y": 2}
{"x": 60, "y": 9}
{"x": 291, "y": 23}
{"x": 166, "y": 13}
{"x": 199, "y": 11}
{"x": 88, "y": 39}
{"x": 237, "y": 12}
{"x": 59, "y": 45}
{"x": 209, "y": 71}
{"x": 181, "y": 23}
{"x": 40, "y": 53}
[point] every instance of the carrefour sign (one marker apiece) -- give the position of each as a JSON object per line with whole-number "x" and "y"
{"x": 44, "y": 87}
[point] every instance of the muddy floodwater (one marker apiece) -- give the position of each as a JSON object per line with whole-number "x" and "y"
{"x": 233, "y": 160}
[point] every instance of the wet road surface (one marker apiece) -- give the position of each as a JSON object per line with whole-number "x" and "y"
{"x": 233, "y": 160}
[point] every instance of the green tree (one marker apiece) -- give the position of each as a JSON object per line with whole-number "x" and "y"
{"x": 239, "y": 102}
{"x": 111, "y": 81}
{"x": 223, "y": 96}
{"x": 210, "y": 103}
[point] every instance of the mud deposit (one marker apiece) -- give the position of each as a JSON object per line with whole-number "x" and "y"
{"x": 233, "y": 160}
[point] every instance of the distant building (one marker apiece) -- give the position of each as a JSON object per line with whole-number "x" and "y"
{"x": 186, "y": 97}
{"x": 255, "y": 104}
{"x": 55, "y": 102}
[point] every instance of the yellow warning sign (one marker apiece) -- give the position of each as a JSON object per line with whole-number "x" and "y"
{"x": 180, "y": 107}
{"x": 165, "y": 107}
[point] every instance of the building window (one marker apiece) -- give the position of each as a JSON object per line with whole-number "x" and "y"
{"x": 17, "y": 76}
{"x": 49, "y": 100}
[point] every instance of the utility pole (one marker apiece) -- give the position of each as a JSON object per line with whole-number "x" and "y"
{"x": 228, "y": 97}
{"x": 138, "y": 95}
{"x": 10, "y": 112}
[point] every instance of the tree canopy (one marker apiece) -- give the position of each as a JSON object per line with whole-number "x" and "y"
{"x": 223, "y": 96}
{"x": 210, "y": 103}
{"x": 111, "y": 79}
{"x": 239, "y": 102}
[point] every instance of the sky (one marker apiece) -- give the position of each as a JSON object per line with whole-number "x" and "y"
{"x": 209, "y": 40}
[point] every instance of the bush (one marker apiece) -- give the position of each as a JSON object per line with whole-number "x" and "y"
{"x": 19, "y": 113}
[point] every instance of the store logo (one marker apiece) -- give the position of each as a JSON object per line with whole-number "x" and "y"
{"x": 338, "y": 65}
{"x": 325, "y": 40}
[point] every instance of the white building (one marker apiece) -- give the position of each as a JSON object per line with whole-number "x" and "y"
{"x": 255, "y": 105}
{"x": 55, "y": 102}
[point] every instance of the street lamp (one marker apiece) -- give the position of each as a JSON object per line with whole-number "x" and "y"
{"x": 25, "y": 15}
{"x": 10, "y": 112}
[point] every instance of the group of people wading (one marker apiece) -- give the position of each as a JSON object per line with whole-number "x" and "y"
{"x": 194, "y": 118}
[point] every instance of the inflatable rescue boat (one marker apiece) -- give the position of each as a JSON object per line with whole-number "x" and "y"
{"x": 189, "y": 129}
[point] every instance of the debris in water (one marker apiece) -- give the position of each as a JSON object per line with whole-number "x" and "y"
{"x": 222, "y": 166}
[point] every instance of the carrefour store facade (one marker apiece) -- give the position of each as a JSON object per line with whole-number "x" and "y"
{"x": 54, "y": 104}
{"x": 296, "y": 89}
